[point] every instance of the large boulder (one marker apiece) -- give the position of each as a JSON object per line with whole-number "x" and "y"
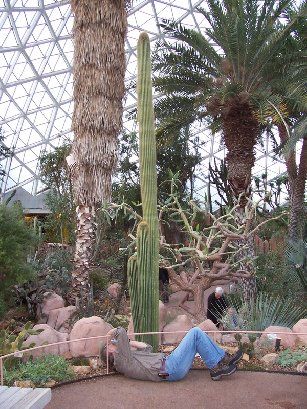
{"x": 181, "y": 323}
{"x": 301, "y": 326}
{"x": 51, "y": 301}
{"x": 114, "y": 290}
{"x": 48, "y": 335}
{"x": 208, "y": 325}
{"x": 287, "y": 340}
{"x": 60, "y": 318}
{"x": 86, "y": 328}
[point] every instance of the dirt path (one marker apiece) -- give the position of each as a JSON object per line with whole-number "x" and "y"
{"x": 252, "y": 390}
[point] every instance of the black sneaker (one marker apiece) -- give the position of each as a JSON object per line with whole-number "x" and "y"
{"x": 221, "y": 369}
{"x": 234, "y": 358}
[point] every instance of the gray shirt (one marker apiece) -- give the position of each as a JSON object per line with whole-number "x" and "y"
{"x": 144, "y": 365}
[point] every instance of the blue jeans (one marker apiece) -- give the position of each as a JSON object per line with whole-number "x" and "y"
{"x": 179, "y": 362}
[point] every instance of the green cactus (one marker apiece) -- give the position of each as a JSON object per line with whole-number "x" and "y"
{"x": 144, "y": 276}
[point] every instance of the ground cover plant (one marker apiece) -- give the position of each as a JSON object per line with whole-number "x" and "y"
{"x": 289, "y": 358}
{"x": 40, "y": 371}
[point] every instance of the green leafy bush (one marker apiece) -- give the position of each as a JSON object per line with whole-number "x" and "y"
{"x": 291, "y": 358}
{"x": 17, "y": 241}
{"x": 41, "y": 370}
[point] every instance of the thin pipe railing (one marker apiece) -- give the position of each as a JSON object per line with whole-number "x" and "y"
{"x": 21, "y": 352}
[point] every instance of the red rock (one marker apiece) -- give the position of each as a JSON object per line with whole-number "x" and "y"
{"x": 208, "y": 325}
{"x": 50, "y": 302}
{"x": 85, "y": 328}
{"x": 60, "y": 317}
{"x": 301, "y": 326}
{"x": 114, "y": 290}
{"x": 287, "y": 341}
{"x": 181, "y": 323}
{"x": 47, "y": 336}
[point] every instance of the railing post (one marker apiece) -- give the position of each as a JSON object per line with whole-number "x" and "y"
{"x": 1, "y": 370}
{"x": 107, "y": 355}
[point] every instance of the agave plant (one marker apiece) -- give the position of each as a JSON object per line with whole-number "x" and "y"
{"x": 262, "y": 312}
{"x": 296, "y": 255}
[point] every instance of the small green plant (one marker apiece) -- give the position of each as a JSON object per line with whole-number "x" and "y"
{"x": 11, "y": 342}
{"x": 99, "y": 280}
{"x": 41, "y": 370}
{"x": 119, "y": 321}
{"x": 289, "y": 358}
{"x": 79, "y": 361}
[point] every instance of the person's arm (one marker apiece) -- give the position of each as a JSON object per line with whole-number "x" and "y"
{"x": 138, "y": 345}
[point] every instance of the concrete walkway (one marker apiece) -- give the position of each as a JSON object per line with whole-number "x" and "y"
{"x": 252, "y": 390}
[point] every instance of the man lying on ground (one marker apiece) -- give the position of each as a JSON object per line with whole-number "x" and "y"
{"x": 146, "y": 365}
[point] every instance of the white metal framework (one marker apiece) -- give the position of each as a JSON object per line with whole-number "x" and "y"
{"x": 36, "y": 53}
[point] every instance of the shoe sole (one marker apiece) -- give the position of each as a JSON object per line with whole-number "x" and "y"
{"x": 218, "y": 377}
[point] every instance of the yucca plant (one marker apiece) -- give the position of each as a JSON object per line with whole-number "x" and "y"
{"x": 296, "y": 255}
{"x": 264, "y": 311}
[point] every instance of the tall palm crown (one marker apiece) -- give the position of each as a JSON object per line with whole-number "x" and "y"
{"x": 224, "y": 76}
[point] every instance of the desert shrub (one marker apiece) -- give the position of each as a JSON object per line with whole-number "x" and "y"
{"x": 41, "y": 370}
{"x": 275, "y": 276}
{"x": 17, "y": 241}
{"x": 53, "y": 273}
{"x": 264, "y": 311}
{"x": 99, "y": 280}
{"x": 291, "y": 358}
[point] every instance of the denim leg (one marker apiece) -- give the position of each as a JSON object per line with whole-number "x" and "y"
{"x": 179, "y": 362}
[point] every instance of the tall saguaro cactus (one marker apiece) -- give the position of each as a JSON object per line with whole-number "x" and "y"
{"x": 144, "y": 273}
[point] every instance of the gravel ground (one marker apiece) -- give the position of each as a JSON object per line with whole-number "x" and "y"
{"x": 241, "y": 390}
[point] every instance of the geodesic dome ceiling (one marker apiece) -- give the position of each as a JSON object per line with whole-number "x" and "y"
{"x": 36, "y": 54}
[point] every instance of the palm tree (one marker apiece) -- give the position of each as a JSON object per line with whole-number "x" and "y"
{"x": 99, "y": 68}
{"x": 219, "y": 76}
{"x": 292, "y": 126}
{"x": 224, "y": 77}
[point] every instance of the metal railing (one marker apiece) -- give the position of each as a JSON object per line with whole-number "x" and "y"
{"x": 19, "y": 353}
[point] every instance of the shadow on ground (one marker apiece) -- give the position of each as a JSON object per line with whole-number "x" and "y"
{"x": 252, "y": 390}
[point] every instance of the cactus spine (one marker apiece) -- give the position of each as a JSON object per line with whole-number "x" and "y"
{"x": 144, "y": 274}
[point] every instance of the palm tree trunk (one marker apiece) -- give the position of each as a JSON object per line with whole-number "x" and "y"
{"x": 99, "y": 68}
{"x": 298, "y": 211}
{"x": 240, "y": 131}
{"x": 297, "y": 182}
